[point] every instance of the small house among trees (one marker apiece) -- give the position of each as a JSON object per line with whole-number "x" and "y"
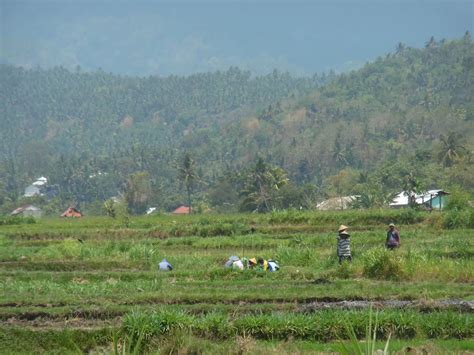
{"x": 336, "y": 203}
{"x": 32, "y": 190}
{"x": 27, "y": 211}
{"x": 182, "y": 210}
{"x": 432, "y": 199}
{"x": 71, "y": 212}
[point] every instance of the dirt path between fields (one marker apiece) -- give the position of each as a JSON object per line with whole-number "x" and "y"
{"x": 70, "y": 323}
{"x": 310, "y": 305}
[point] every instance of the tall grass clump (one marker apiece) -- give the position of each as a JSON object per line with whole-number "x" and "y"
{"x": 458, "y": 213}
{"x": 368, "y": 347}
{"x": 128, "y": 344}
{"x": 142, "y": 252}
{"x": 463, "y": 218}
{"x": 383, "y": 264}
{"x": 156, "y": 323}
{"x": 295, "y": 256}
{"x": 344, "y": 271}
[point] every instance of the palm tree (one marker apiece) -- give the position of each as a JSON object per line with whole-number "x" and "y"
{"x": 431, "y": 43}
{"x": 187, "y": 174}
{"x": 400, "y": 48}
{"x": 261, "y": 186}
{"x": 452, "y": 148}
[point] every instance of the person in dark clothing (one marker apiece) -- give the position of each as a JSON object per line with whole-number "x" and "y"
{"x": 393, "y": 237}
{"x": 344, "y": 244}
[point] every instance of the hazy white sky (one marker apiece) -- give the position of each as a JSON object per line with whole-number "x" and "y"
{"x": 183, "y": 37}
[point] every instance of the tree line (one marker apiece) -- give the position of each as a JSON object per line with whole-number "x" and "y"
{"x": 403, "y": 120}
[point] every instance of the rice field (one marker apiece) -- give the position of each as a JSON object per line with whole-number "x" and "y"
{"x": 92, "y": 285}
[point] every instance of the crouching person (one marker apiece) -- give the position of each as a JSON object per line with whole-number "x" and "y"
{"x": 262, "y": 264}
{"x": 273, "y": 265}
{"x": 235, "y": 263}
{"x": 344, "y": 244}
{"x": 164, "y": 265}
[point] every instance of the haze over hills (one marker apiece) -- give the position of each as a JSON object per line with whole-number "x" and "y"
{"x": 406, "y": 118}
{"x": 183, "y": 37}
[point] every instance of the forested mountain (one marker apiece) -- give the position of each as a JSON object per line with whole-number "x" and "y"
{"x": 402, "y": 121}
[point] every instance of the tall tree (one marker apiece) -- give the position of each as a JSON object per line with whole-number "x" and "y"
{"x": 138, "y": 191}
{"x": 188, "y": 176}
{"x": 261, "y": 187}
{"x": 452, "y": 148}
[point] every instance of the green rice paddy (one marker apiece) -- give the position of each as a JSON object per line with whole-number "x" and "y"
{"x": 70, "y": 286}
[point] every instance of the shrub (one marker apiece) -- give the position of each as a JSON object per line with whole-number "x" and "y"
{"x": 383, "y": 264}
{"x": 457, "y": 201}
{"x": 459, "y": 218}
{"x": 408, "y": 216}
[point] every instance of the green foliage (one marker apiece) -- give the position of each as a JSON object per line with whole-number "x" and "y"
{"x": 91, "y": 132}
{"x": 459, "y": 218}
{"x": 323, "y": 326}
{"x": 345, "y": 271}
{"x": 458, "y": 200}
{"x": 383, "y": 265}
{"x": 110, "y": 208}
{"x": 90, "y": 272}
{"x": 129, "y": 344}
{"x": 14, "y": 220}
{"x": 188, "y": 176}
{"x": 261, "y": 187}
{"x": 138, "y": 192}
{"x": 409, "y": 216}
{"x": 289, "y": 216}
{"x": 354, "y": 347}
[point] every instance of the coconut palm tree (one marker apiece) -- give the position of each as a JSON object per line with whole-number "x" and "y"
{"x": 188, "y": 176}
{"x": 452, "y": 148}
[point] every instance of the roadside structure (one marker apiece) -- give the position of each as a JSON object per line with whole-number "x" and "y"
{"x": 72, "y": 212}
{"x": 336, "y": 203}
{"x": 40, "y": 188}
{"x": 27, "y": 211}
{"x": 432, "y": 199}
{"x": 182, "y": 210}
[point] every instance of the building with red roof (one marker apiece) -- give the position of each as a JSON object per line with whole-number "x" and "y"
{"x": 72, "y": 212}
{"x": 182, "y": 210}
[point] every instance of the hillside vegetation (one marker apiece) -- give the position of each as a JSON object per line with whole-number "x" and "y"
{"x": 404, "y": 121}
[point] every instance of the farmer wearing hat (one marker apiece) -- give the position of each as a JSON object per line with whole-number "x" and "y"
{"x": 393, "y": 237}
{"x": 252, "y": 262}
{"x": 344, "y": 244}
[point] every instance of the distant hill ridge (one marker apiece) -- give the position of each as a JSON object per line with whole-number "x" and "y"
{"x": 398, "y": 108}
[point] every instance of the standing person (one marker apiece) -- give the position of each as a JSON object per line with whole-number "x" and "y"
{"x": 393, "y": 237}
{"x": 344, "y": 244}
